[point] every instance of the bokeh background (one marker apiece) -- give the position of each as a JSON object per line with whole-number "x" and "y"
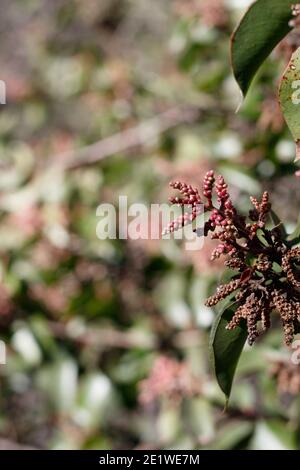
{"x": 107, "y": 341}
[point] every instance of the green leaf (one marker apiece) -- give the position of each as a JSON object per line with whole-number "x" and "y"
{"x": 289, "y": 97}
{"x": 231, "y": 435}
{"x": 277, "y": 223}
{"x": 261, "y": 237}
{"x": 294, "y": 237}
{"x": 264, "y": 25}
{"x": 226, "y": 347}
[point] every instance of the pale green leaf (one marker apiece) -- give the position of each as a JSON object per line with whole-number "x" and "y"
{"x": 289, "y": 96}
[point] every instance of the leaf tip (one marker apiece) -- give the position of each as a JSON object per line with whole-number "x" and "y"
{"x": 226, "y": 406}
{"x": 241, "y": 101}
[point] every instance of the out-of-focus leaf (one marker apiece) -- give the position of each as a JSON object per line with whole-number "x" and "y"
{"x": 168, "y": 423}
{"x": 201, "y": 419}
{"x": 251, "y": 362}
{"x": 271, "y": 437}
{"x": 174, "y": 305}
{"x": 264, "y": 25}
{"x": 24, "y": 342}
{"x": 289, "y": 96}
{"x": 199, "y": 292}
{"x": 232, "y": 435}
{"x": 294, "y": 237}
{"x": 240, "y": 178}
{"x": 226, "y": 347}
{"x": 60, "y": 381}
{"x": 95, "y": 400}
{"x": 42, "y": 332}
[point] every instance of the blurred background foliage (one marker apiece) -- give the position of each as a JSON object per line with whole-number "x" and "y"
{"x": 107, "y": 340}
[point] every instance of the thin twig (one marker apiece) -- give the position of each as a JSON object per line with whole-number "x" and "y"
{"x": 104, "y": 337}
{"x": 125, "y": 140}
{"x": 122, "y": 142}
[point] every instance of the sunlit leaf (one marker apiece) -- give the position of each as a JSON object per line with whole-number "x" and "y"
{"x": 231, "y": 435}
{"x": 289, "y": 96}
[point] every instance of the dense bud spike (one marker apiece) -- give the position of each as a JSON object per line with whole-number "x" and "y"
{"x": 258, "y": 288}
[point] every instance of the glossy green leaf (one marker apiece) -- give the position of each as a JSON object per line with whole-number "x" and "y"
{"x": 264, "y": 25}
{"x": 261, "y": 237}
{"x": 226, "y": 347}
{"x": 289, "y": 96}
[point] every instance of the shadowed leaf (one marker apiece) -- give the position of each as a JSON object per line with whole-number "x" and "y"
{"x": 226, "y": 347}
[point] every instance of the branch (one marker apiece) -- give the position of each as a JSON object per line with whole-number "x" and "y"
{"x": 125, "y": 140}
{"x": 121, "y": 142}
{"x": 104, "y": 337}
